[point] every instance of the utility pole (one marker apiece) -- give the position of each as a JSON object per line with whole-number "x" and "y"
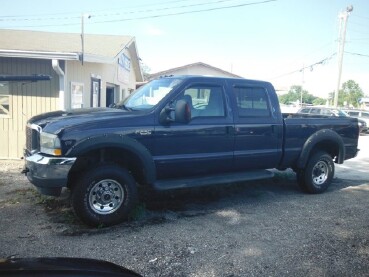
{"x": 341, "y": 47}
{"x": 83, "y": 35}
{"x": 302, "y": 83}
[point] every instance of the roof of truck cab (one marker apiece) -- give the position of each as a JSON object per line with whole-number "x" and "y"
{"x": 212, "y": 77}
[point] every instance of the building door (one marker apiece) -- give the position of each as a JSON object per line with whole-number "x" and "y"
{"x": 110, "y": 96}
{"x": 95, "y": 92}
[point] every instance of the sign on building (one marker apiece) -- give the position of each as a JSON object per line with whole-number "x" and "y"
{"x": 124, "y": 68}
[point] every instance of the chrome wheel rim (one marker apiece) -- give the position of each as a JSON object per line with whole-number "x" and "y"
{"x": 106, "y": 196}
{"x": 320, "y": 173}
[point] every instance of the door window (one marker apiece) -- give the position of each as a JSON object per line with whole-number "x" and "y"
{"x": 4, "y": 99}
{"x": 95, "y": 92}
{"x": 252, "y": 102}
{"x": 205, "y": 101}
{"x": 77, "y": 95}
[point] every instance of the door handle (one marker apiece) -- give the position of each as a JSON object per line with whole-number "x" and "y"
{"x": 230, "y": 130}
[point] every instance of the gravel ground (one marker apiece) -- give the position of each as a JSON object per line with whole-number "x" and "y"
{"x": 265, "y": 228}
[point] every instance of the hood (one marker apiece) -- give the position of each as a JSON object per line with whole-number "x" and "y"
{"x": 54, "y": 122}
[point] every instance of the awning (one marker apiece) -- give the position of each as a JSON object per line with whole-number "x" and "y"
{"x": 22, "y": 78}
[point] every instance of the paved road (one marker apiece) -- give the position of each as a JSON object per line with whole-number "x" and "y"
{"x": 357, "y": 168}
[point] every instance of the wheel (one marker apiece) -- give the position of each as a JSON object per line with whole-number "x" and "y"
{"x": 104, "y": 195}
{"x": 318, "y": 173}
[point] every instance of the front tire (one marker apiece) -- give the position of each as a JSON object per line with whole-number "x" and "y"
{"x": 318, "y": 173}
{"x": 104, "y": 195}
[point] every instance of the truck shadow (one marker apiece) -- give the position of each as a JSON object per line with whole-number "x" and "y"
{"x": 164, "y": 207}
{"x": 179, "y": 200}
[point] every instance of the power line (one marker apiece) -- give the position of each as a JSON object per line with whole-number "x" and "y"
{"x": 190, "y": 12}
{"x": 357, "y": 54}
{"x": 358, "y": 31}
{"x": 359, "y": 24}
{"x": 116, "y": 13}
{"x": 167, "y": 8}
{"x": 311, "y": 67}
{"x": 320, "y": 48}
{"x": 137, "y": 6}
{"x": 355, "y": 39}
{"x": 39, "y": 18}
{"x": 364, "y": 17}
{"x": 161, "y": 15}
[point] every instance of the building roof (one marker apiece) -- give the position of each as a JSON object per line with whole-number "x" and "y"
{"x": 68, "y": 46}
{"x": 188, "y": 67}
{"x": 98, "y": 45}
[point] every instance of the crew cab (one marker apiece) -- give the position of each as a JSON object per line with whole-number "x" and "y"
{"x": 180, "y": 132}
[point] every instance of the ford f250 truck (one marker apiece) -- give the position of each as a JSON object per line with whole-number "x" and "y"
{"x": 179, "y": 132}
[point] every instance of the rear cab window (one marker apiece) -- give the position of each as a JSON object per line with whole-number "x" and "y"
{"x": 252, "y": 101}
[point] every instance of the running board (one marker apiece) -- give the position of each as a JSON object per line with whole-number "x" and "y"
{"x": 212, "y": 180}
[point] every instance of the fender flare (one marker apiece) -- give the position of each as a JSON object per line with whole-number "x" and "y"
{"x": 117, "y": 141}
{"x": 319, "y": 136}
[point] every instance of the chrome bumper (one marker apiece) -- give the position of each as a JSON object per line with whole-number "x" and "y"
{"x": 48, "y": 174}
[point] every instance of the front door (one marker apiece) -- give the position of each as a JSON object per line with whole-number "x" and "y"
{"x": 110, "y": 96}
{"x": 204, "y": 145}
{"x": 95, "y": 92}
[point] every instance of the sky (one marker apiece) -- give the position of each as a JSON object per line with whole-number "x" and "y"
{"x": 285, "y": 42}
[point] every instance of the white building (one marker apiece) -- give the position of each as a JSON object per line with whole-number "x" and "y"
{"x": 198, "y": 68}
{"x": 103, "y": 73}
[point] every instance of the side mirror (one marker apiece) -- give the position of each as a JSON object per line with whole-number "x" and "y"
{"x": 182, "y": 113}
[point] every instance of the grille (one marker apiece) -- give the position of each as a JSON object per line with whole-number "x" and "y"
{"x": 32, "y": 139}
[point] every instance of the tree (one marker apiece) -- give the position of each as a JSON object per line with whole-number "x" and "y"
{"x": 349, "y": 94}
{"x": 296, "y": 93}
{"x": 145, "y": 71}
{"x": 293, "y": 95}
{"x": 319, "y": 101}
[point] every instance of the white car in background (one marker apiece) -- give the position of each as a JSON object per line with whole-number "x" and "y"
{"x": 331, "y": 111}
{"x": 359, "y": 114}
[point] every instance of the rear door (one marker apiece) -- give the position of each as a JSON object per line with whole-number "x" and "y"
{"x": 205, "y": 144}
{"x": 258, "y": 127}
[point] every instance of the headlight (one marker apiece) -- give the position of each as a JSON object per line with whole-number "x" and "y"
{"x": 50, "y": 144}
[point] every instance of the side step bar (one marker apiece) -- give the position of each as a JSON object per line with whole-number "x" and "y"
{"x": 202, "y": 181}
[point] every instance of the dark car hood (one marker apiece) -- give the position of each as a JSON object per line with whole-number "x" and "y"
{"x": 54, "y": 122}
{"x": 62, "y": 267}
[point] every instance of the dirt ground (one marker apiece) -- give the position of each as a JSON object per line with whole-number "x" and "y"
{"x": 265, "y": 228}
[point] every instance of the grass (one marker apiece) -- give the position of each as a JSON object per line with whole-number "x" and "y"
{"x": 18, "y": 196}
{"x": 284, "y": 175}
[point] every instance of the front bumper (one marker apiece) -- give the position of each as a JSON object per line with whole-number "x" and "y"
{"x": 48, "y": 174}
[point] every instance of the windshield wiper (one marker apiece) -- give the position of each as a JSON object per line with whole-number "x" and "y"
{"x": 126, "y": 108}
{"x": 116, "y": 106}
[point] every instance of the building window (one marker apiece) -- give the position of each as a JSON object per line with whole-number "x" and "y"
{"x": 77, "y": 95}
{"x": 4, "y": 100}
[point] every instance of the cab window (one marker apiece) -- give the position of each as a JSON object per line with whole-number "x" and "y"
{"x": 252, "y": 102}
{"x": 205, "y": 100}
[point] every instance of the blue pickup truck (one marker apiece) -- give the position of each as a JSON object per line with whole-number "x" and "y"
{"x": 180, "y": 132}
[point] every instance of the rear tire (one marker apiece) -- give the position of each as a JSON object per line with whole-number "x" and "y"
{"x": 318, "y": 173}
{"x": 104, "y": 195}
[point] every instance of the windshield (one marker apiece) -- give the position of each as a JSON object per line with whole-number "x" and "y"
{"x": 150, "y": 94}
